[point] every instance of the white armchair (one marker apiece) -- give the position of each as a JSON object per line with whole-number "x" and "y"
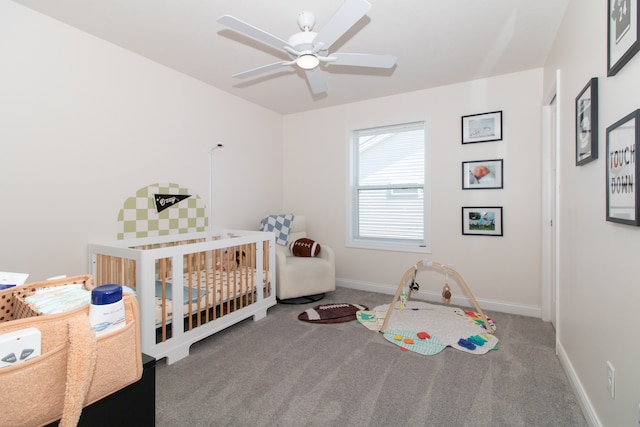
{"x": 304, "y": 276}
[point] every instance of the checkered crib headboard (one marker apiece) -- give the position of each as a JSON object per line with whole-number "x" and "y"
{"x": 139, "y": 216}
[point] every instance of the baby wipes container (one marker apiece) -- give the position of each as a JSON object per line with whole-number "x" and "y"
{"x": 106, "y": 311}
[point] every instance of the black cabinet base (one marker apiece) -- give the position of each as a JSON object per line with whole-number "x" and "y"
{"x": 134, "y": 405}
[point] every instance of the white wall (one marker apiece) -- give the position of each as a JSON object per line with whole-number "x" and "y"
{"x": 503, "y": 272}
{"x": 84, "y": 124}
{"x": 599, "y": 280}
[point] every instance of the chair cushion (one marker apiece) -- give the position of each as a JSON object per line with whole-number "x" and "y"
{"x": 304, "y": 247}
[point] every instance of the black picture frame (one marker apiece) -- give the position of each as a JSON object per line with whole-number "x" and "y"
{"x": 623, "y": 33}
{"x": 587, "y": 123}
{"x": 482, "y": 220}
{"x": 483, "y": 127}
{"x": 482, "y": 174}
{"x": 622, "y": 170}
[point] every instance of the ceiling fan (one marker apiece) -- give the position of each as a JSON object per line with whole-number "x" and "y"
{"x": 308, "y": 49}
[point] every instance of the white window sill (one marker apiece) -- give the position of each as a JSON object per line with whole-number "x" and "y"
{"x": 359, "y": 244}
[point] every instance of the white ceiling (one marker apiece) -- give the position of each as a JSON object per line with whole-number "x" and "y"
{"x": 436, "y": 42}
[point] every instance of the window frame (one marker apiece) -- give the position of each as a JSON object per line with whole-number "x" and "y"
{"x": 352, "y": 194}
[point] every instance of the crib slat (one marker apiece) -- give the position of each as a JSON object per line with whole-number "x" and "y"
{"x": 163, "y": 299}
{"x": 189, "y": 283}
{"x": 198, "y": 287}
{"x": 214, "y": 278}
{"x": 265, "y": 265}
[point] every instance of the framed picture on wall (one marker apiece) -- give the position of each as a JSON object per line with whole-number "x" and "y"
{"x": 587, "y": 123}
{"x": 482, "y": 221}
{"x": 622, "y": 170}
{"x": 622, "y": 33}
{"x": 481, "y": 174}
{"x": 483, "y": 127}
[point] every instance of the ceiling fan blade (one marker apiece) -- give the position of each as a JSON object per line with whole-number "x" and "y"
{"x": 253, "y": 32}
{"x": 350, "y": 13}
{"x": 261, "y": 70}
{"x": 362, "y": 60}
{"x": 316, "y": 80}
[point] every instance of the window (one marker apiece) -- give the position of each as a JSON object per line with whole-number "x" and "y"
{"x": 388, "y": 191}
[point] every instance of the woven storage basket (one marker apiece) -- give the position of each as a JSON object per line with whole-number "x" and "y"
{"x": 75, "y": 369}
{"x": 12, "y": 300}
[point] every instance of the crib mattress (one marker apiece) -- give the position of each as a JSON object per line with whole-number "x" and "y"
{"x": 212, "y": 289}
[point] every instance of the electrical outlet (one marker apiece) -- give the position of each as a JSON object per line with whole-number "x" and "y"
{"x": 611, "y": 380}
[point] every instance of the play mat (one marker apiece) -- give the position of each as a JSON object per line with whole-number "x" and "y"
{"x": 428, "y": 329}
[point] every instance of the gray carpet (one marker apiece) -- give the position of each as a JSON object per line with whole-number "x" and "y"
{"x": 284, "y": 372}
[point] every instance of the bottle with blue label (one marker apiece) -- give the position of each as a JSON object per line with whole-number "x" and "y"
{"x": 106, "y": 311}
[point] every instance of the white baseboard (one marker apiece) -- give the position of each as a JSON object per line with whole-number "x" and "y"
{"x": 587, "y": 408}
{"x": 461, "y": 299}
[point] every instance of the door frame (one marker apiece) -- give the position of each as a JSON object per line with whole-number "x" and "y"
{"x": 550, "y": 203}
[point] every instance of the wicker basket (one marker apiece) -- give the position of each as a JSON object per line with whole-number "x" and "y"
{"x": 12, "y": 300}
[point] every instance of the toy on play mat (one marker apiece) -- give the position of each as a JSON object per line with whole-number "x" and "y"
{"x": 426, "y": 328}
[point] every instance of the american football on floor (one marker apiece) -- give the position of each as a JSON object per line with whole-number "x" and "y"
{"x": 331, "y": 313}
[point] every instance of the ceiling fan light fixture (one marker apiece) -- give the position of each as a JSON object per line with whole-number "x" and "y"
{"x": 307, "y": 61}
{"x": 306, "y": 49}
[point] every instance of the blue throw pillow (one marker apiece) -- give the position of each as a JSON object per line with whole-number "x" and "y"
{"x": 280, "y": 225}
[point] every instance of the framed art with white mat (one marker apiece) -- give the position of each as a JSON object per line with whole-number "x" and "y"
{"x": 484, "y": 127}
{"x": 622, "y": 33}
{"x": 587, "y": 123}
{"x": 482, "y": 174}
{"x": 622, "y": 170}
{"x": 482, "y": 220}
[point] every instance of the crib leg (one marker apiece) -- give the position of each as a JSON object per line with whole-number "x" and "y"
{"x": 177, "y": 354}
{"x": 260, "y": 315}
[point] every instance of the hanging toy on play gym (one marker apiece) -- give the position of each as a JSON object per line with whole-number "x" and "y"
{"x": 403, "y": 300}
{"x": 446, "y": 290}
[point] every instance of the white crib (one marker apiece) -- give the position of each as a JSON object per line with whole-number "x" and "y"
{"x": 218, "y": 278}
